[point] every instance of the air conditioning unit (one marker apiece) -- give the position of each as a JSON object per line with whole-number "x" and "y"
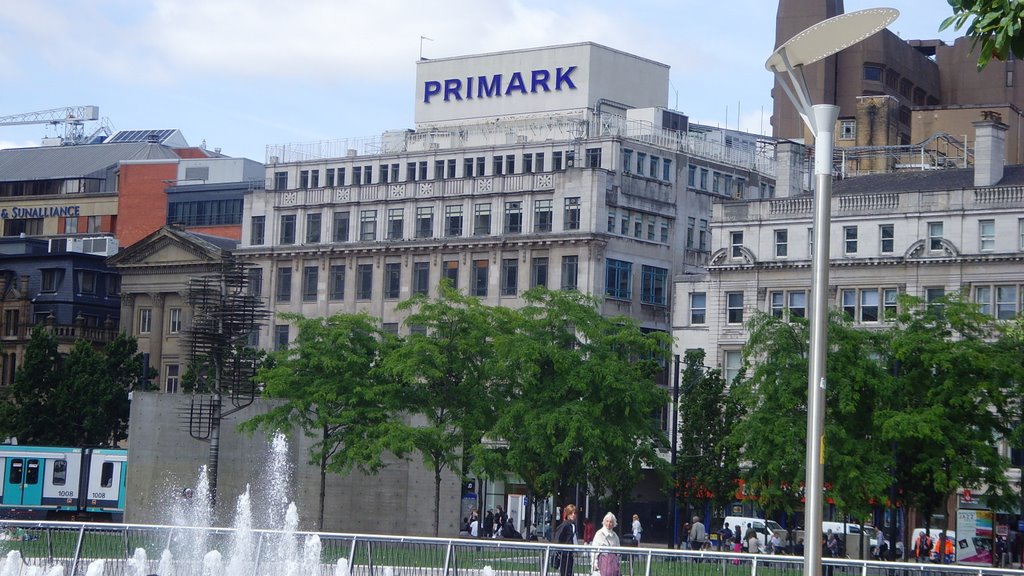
{"x": 103, "y": 246}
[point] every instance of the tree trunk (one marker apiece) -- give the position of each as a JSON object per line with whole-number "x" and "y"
{"x": 437, "y": 499}
{"x": 323, "y": 481}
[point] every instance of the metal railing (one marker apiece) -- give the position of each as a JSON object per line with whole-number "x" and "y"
{"x": 139, "y": 550}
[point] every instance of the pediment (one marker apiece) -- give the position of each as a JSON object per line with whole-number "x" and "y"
{"x": 166, "y": 249}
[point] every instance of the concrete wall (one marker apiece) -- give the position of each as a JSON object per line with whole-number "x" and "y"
{"x": 163, "y": 459}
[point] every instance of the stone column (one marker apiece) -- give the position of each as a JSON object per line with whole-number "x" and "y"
{"x": 127, "y": 323}
{"x": 156, "y": 336}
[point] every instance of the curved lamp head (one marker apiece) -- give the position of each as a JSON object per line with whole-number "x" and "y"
{"x": 818, "y": 42}
{"x": 830, "y": 36}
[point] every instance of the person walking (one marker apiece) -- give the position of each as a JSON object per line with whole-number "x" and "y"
{"x": 566, "y": 534}
{"x": 637, "y": 528}
{"x": 698, "y": 534}
{"x": 606, "y": 563}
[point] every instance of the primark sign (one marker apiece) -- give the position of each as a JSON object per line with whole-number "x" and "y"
{"x": 517, "y": 83}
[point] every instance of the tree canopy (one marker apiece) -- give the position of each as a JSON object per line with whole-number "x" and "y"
{"x": 996, "y": 26}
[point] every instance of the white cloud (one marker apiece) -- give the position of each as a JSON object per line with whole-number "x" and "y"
{"x": 5, "y": 144}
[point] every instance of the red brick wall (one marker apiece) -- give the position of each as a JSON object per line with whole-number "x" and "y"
{"x": 142, "y": 200}
{"x": 234, "y": 231}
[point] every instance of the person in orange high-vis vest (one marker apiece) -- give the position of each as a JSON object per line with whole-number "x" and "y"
{"x": 950, "y": 550}
{"x": 922, "y": 547}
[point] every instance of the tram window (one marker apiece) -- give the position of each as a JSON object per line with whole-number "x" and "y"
{"x": 32, "y": 474}
{"x": 107, "y": 475}
{"x": 16, "y": 470}
{"x": 60, "y": 472}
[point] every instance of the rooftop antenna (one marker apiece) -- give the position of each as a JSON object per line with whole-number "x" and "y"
{"x": 422, "y": 38}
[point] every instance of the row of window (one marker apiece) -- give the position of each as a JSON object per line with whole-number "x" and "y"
{"x": 93, "y": 224}
{"x": 654, "y": 282}
{"x": 455, "y": 224}
{"x": 479, "y": 278}
{"x": 638, "y": 225}
{"x": 650, "y": 166}
{"x": 717, "y": 182}
{"x": 862, "y": 305}
{"x": 443, "y": 169}
{"x": 174, "y": 320}
{"x": 86, "y": 282}
{"x": 205, "y": 212}
{"x": 886, "y": 239}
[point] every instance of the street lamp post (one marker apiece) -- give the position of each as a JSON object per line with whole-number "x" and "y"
{"x": 813, "y": 44}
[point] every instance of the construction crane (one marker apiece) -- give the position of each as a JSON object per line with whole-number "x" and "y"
{"x": 73, "y": 118}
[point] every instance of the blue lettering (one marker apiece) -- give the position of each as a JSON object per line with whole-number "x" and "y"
{"x": 451, "y": 88}
{"x": 516, "y": 83}
{"x": 430, "y": 88}
{"x": 539, "y": 78}
{"x": 562, "y": 75}
{"x": 469, "y": 88}
{"x": 485, "y": 90}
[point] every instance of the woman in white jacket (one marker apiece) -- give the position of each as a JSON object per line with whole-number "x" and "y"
{"x": 606, "y": 538}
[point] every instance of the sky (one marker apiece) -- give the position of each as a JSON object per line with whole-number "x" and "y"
{"x": 244, "y": 74}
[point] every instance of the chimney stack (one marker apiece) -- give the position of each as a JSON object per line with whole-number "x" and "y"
{"x": 989, "y": 149}
{"x": 790, "y": 167}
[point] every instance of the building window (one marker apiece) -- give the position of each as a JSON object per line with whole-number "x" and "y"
{"x": 704, "y": 178}
{"x": 303, "y": 178}
{"x": 698, "y": 307}
{"x": 71, "y": 225}
{"x": 364, "y": 281}
{"x": 593, "y": 157}
{"x": 438, "y": 169}
{"x": 691, "y": 223}
{"x": 570, "y": 272}
{"x": 702, "y": 236}
{"x": 392, "y": 280}
{"x": 510, "y": 164}
{"x": 781, "y": 243}
{"x": 1005, "y": 305}
{"x": 869, "y": 304}
{"x": 329, "y": 177}
{"x": 145, "y": 320}
{"x": 87, "y": 282}
{"x": 539, "y": 272}
{"x": 425, "y": 222}
{"x": 340, "y": 227}
{"x": 849, "y": 239}
{"x": 367, "y": 224}
{"x": 453, "y": 220}
{"x": 618, "y": 279}
{"x": 313, "y": 228}
{"x": 509, "y": 277}
{"x": 513, "y": 217}
{"x": 873, "y": 72}
{"x": 654, "y": 285}
{"x": 987, "y": 235}
{"x": 49, "y": 281}
{"x": 664, "y": 230}
{"x": 497, "y": 165}
{"x": 641, "y": 161}
{"x": 638, "y": 225}
{"x": 280, "y": 180}
{"x": 527, "y": 163}
{"x": 481, "y": 219}
{"x": 257, "y": 230}
{"x": 421, "y": 278}
{"x": 691, "y": 176}
{"x": 451, "y": 272}
{"x": 889, "y": 304}
{"x": 172, "y": 382}
{"x": 666, "y": 170}
{"x": 479, "y": 280}
{"x": 731, "y": 365}
{"x": 396, "y": 223}
{"x": 794, "y": 302}
{"x": 287, "y": 235}
{"x": 736, "y": 243}
{"x": 174, "y": 320}
{"x": 611, "y": 221}
{"x": 341, "y": 176}
{"x": 310, "y": 277}
{"x": 556, "y": 160}
{"x": 422, "y": 167}
{"x": 886, "y": 235}
{"x": 255, "y": 281}
{"x": 542, "y": 215}
{"x": 797, "y": 304}
{"x": 627, "y": 160}
{"x": 284, "y": 284}
{"x": 571, "y": 218}
{"x": 651, "y": 221}
{"x": 935, "y": 235}
{"x": 734, "y": 307}
{"x": 847, "y": 129}
{"x": 538, "y": 165}
{"x": 337, "y": 288}
{"x": 280, "y": 337}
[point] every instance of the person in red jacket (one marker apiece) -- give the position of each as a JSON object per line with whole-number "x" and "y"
{"x": 588, "y": 531}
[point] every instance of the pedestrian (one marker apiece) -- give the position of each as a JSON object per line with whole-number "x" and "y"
{"x": 725, "y": 538}
{"x": 1002, "y": 553}
{"x": 474, "y": 526}
{"x": 750, "y": 537}
{"x": 588, "y": 531}
{"x": 489, "y": 524}
{"x": 923, "y": 547}
{"x": 637, "y": 528}
{"x": 698, "y": 535}
{"x": 566, "y": 534}
{"x": 606, "y": 563}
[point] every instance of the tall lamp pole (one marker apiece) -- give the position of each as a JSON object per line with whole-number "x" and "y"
{"x": 813, "y": 44}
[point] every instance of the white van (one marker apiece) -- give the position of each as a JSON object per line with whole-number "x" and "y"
{"x": 851, "y": 529}
{"x": 761, "y": 526}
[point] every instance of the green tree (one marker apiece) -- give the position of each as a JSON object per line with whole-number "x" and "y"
{"x": 444, "y": 370}
{"x": 774, "y": 430}
{"x": 953, "y": 391}
{"x": 327, "y": 380}
{"x": 707, "y": 464}
{"x": 578, "y": 395}
{"x": 25, "y": 415}
{"x": 995, "y": 26}
{"x": 127, "y": 371}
